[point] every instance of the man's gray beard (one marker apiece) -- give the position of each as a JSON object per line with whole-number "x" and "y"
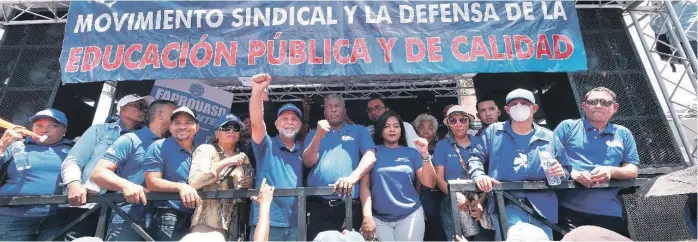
{"x": 288, "y": 135}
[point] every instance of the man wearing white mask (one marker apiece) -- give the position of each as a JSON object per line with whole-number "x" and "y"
{"x": 512, "y": 149}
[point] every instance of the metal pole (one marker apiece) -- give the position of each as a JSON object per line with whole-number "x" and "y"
{"x": 665, "y": 93}
{"x": 691, "y": 56}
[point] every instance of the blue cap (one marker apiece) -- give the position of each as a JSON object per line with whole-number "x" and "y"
{"x": 289, "y": 107}
{"x": 51, "y": 113}
{"x": 521, "y": 93}
{"x": 225, "y": 119}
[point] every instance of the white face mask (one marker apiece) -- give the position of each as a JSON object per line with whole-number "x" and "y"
{"x": 520, "y": 112}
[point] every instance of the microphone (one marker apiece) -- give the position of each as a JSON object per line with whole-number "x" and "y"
{"x": 230, "y": 169}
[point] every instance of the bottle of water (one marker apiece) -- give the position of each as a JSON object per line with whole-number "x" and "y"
{"x": 20, "y": 157}
{"x": 546, "y": 161}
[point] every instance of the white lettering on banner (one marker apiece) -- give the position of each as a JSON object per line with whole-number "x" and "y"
{"x": 194, "y": 104}
{"x": 419, "y": 13}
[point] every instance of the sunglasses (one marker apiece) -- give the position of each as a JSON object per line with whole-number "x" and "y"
{"x": 603, "y": 102}
{"x": 463, "y": 120}
{"x": 229, "y": 129}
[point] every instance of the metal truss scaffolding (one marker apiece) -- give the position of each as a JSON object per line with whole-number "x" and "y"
{"x": 663, "y": 29}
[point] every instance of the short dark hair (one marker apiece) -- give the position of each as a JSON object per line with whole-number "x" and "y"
{"x": 157, "y": 106}
{"x": 600, "y": 89}
{"x": 484, "y": 98}
{"x": 380, "y": 125}
{"x": 376, "y": 97}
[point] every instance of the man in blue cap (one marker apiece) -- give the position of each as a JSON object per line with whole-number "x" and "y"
{"x": 278, "y": 161}
{"x": 33, "y": 170}
{"x": 120, "y": 169}
{"x": 512, "y": 150}
{"x": 167, "y": 163}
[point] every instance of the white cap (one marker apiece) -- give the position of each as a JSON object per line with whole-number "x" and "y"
{"x": 132, "y": 98}
{"x": 526, "y": 232}
{"x": 183, "y": 109}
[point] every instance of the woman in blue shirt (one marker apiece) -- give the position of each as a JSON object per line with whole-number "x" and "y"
{"x": 35, "y": 174}
{"x": 389, "y": 198}
{"x": 450, "y": 160}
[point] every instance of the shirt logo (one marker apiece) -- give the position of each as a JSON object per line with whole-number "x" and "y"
{"x": 521, "y": 161}
{"x": 347, "y": 138}
{"x": 402, "y": 159}
{"x": 614, "y": 143}
{"x": 452, "y": 155}
{"x": 196, "y": 90}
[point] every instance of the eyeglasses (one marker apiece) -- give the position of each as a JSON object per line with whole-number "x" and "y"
{"x": 463, "y": 120}
{"x": 229, "y": 129}
{"x": 377, "y": 109}
{"x": 603, "y": 102}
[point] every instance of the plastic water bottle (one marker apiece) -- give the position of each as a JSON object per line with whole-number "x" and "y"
{"x": 20, "y": 157}
{"x": 546, "y": 160}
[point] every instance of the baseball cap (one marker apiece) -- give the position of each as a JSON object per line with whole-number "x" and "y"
{"x": 225, "y": 119}
{"x": 521, "y": 93}
{"x": 593, "y": 233}
{"x": 51, "y": 113}
{"x": 336, "y": 236}
{"x": 526, "y": 232}
{"x": 183, "y": 109}
{"x": 289, "y": 107}
{"x": 132, "y": 98}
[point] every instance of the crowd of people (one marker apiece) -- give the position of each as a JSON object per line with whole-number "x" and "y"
{"x": 396, "y": 172}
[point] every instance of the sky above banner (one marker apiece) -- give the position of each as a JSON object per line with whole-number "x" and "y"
{"x": 132, "y": 40}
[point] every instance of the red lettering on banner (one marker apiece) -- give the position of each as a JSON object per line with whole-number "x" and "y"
{"x": 479, "y": 49}
{"x": 128, "y": 61}
{"x": 118, "y": 58}
{"x": 282, "y": 53}
{"x": 569, "y": 46}
{"x": 455, "y": 43}
{"x": 183, "y": 55}
{"x": 543, "y": 47}
{"x": 508, "y": 48}
{"x": 496, "y": 55}
{"x": 313, "y": 59}
{"x": 360, "y": 52}
{"x": 91, "y": 58}
{"x": 194, "y": 54}
{"x": 150, "y": 57}
{"x": 410, "y": 43}
{"x": 434, "y": 49}
{"x": 256, "y": 50}
{"x": 73, "y": 59}
{"x": 337, "y": 50}
{"x": 387, "y": 48}
{"x": 328, "y": 51}
{"x": 230, "y": 55}
{"x": 297, "y": 52}
{"x": 520, "y": 53}
{"x": 169, "y": 64}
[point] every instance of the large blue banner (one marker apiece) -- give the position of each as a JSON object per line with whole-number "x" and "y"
{"x": 131, "y": 40}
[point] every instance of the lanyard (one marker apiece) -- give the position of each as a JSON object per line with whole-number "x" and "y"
{"x": 460, "y": 159}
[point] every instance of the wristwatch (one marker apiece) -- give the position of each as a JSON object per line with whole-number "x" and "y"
{"x": 428, "y": 158}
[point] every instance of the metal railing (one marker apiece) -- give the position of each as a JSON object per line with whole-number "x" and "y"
{"x": 502, "y": 195}
{"x": 108, "y": 201}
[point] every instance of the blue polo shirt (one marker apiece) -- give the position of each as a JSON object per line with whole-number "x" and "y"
{"x": 174, "y": 161}
{"x": 588, "y": 148}
{"x": 507, "y": 162}
{"x": 283, "y": 168}
{"x": 339, "y": 154}
{"x": 41, "y": 179}
{"x": 446, "y": 156}
{"x": 392, "y": 183}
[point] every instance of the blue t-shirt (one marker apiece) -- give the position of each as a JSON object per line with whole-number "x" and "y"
{"x": 393, "y": 193}
{"x": 339, "y": 154}
{"x": 446, "y": 156}
{"x": 174, "y": 161}
{"x": 42, "y": 178}
{"x": 509, "y": 163}
{"x": 283, "y": 168}
{"x": 588, "y": 148}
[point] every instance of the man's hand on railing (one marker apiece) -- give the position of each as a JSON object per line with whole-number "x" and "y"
{"x": 189, "y": 195}
{"x": 582, "y": 177}
{"x": 484, "y": 183}
{"x": 368, "y": 228}
{"x": 135, "y": 194}
{"x": 344, "y": 185}
{"x": 601, "y": 174}
{"x": 77, "y": 194}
